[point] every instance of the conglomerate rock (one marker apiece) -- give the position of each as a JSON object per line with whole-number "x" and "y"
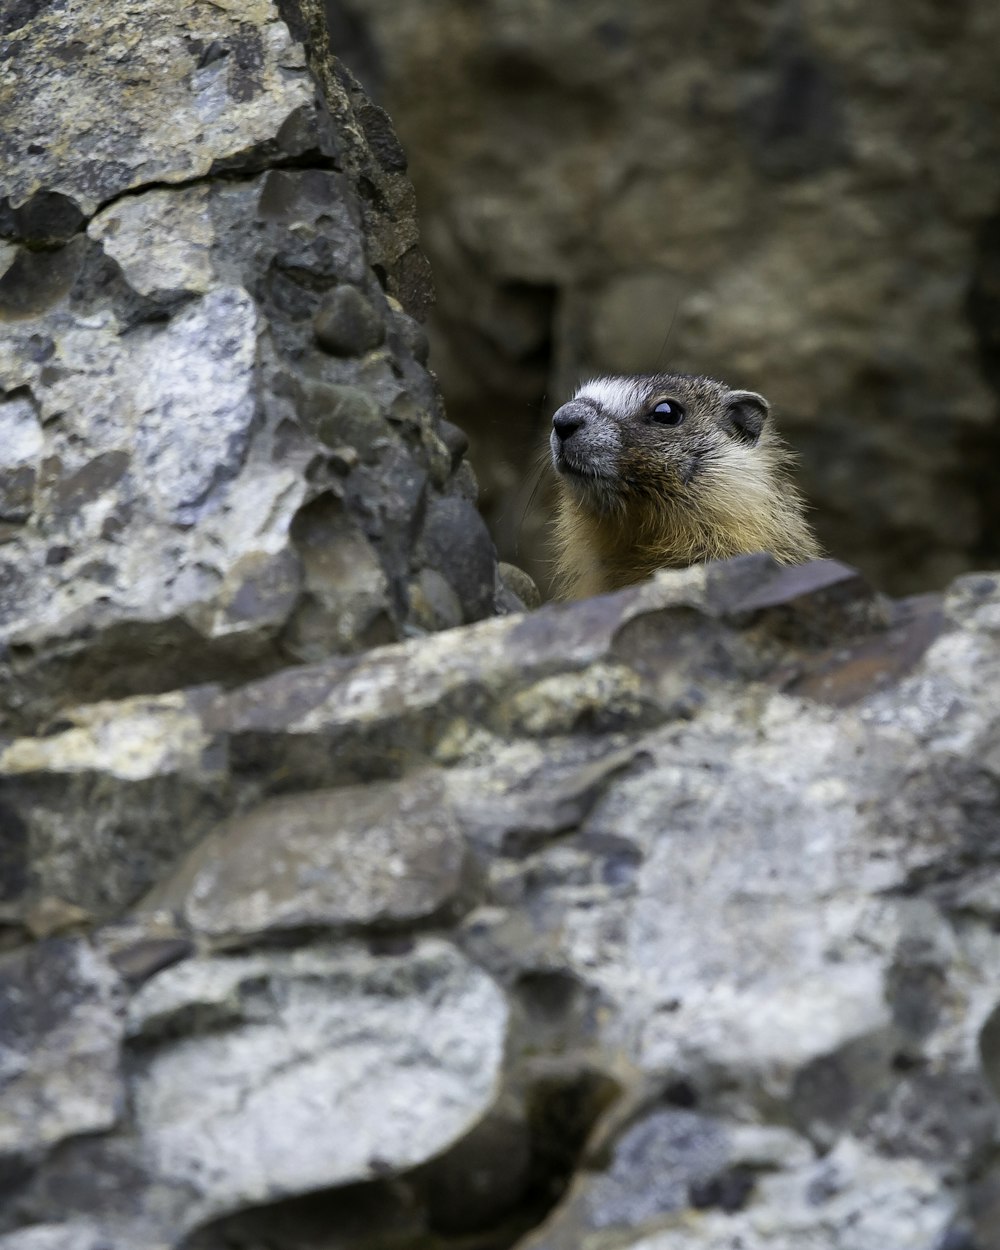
{"x": 220, "y": 450}
{"x": 802, "y": 198}
{"x": 711, "y": 867}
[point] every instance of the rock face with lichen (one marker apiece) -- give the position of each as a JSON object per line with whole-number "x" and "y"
{"x": 668, "y": 917}
{"x": 666, "y": 920}
{"x": 220, "y": 450}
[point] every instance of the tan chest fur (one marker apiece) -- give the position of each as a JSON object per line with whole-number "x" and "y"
{"x": 746, "y": 503}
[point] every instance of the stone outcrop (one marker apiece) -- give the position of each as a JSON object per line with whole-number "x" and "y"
{"x": 668, "y": 918}
{"x": 220, "y": 450}
{"x": 802, "y": 199}
{"x": 663, "y": 920}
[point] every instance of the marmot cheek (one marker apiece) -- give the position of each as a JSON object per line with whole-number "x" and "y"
{"x": 690, "y": 469}
{"x": 649, "y": 474}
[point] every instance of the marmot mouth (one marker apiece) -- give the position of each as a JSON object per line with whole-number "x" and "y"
{"x": 571, "y": 469}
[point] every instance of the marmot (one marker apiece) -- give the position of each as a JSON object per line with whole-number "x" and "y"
{"x": 664, "y": 471}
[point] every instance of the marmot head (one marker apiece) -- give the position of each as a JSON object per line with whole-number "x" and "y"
{"x": 664, "y": 471}
{"x": 657, "y": 439}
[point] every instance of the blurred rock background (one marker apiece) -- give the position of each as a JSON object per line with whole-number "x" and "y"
{"x": 801, "y": 198}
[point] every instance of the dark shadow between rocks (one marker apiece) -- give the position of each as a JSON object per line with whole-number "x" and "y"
{"x": 491, "y": 1188}
{"x": 989, "y": 1050}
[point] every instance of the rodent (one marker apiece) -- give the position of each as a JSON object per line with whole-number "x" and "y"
{"x": 666, "y": 470}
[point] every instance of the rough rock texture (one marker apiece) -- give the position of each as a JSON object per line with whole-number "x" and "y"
{"x": 665, "y": 920}
{"x": 61, "y": 1046}
{"x": 806, "y": 196}
{"x": 219, "y": 448}
{"x": 711, "y": 871}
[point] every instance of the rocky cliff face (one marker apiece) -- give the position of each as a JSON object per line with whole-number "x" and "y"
{"x": 220, "y": 450}
{"x": 663, "y": 920}
{"x": 659, "y": 921}
{"x": 804, "y": 195}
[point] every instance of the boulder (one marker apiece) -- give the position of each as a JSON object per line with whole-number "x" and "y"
{"x": 209, "y": 247}
{"x": 709, "y": 866}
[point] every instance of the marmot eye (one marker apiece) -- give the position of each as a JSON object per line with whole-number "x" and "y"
{"x": 667, "y": 412}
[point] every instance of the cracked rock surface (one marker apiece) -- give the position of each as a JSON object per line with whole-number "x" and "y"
{"x": 666, "y": 919}
{"x": 220, "y": 450}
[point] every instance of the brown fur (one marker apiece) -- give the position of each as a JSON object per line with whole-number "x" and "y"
{"x": 658, "y": 513}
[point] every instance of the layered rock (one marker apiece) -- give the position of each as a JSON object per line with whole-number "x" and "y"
{"x": 802, "y": 199}
{"x": 679, "y": 905}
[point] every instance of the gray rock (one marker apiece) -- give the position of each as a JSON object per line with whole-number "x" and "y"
{"x": 169, "y": 418}
{"x": 98, "y": 129}
{"x": 346, "y": 324}
{"x": 360, "y": 855}
{"x": 712, "y": 835}
{"x": 850, "y": 1199}
{"x": 60, "y": 1033}
{"x": 321, "y": 1069}
{"x": 58, "y": 1237}
{"x": 162, "y": 782}
{"x": 456, "y": 543}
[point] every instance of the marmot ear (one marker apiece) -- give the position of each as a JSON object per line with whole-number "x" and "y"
{"x": 746, "y": 412}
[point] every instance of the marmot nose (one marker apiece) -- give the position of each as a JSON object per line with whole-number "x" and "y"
{"x": 567, "y": 421}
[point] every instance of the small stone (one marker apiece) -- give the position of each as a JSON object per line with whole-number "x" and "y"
{"x": 520, "y": 584}
{"x": 145, "y": 955}
{"x": 194, "y": 396}
{"x": 345, "y": 415}
{"x": 456, "y": 543}
{"x": 414, "y": 336}
{"x": 346, "y": 593}
{"x": 259, "y": 594}
{"x": 433, "y": 603}
{"x": 438, "y": 458}
{"x": 47, "y": 218}
{"x": 21, "y": 437}
{"x": 162, "y": 240}
{"x": 357, "y": 855}
{"x": 346, "y": 324}
{"x": 17, "y": 492}
{"x": 343, "y": 459}
{"x": 455, "y": 440}
{"x": 52, "y": 915}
